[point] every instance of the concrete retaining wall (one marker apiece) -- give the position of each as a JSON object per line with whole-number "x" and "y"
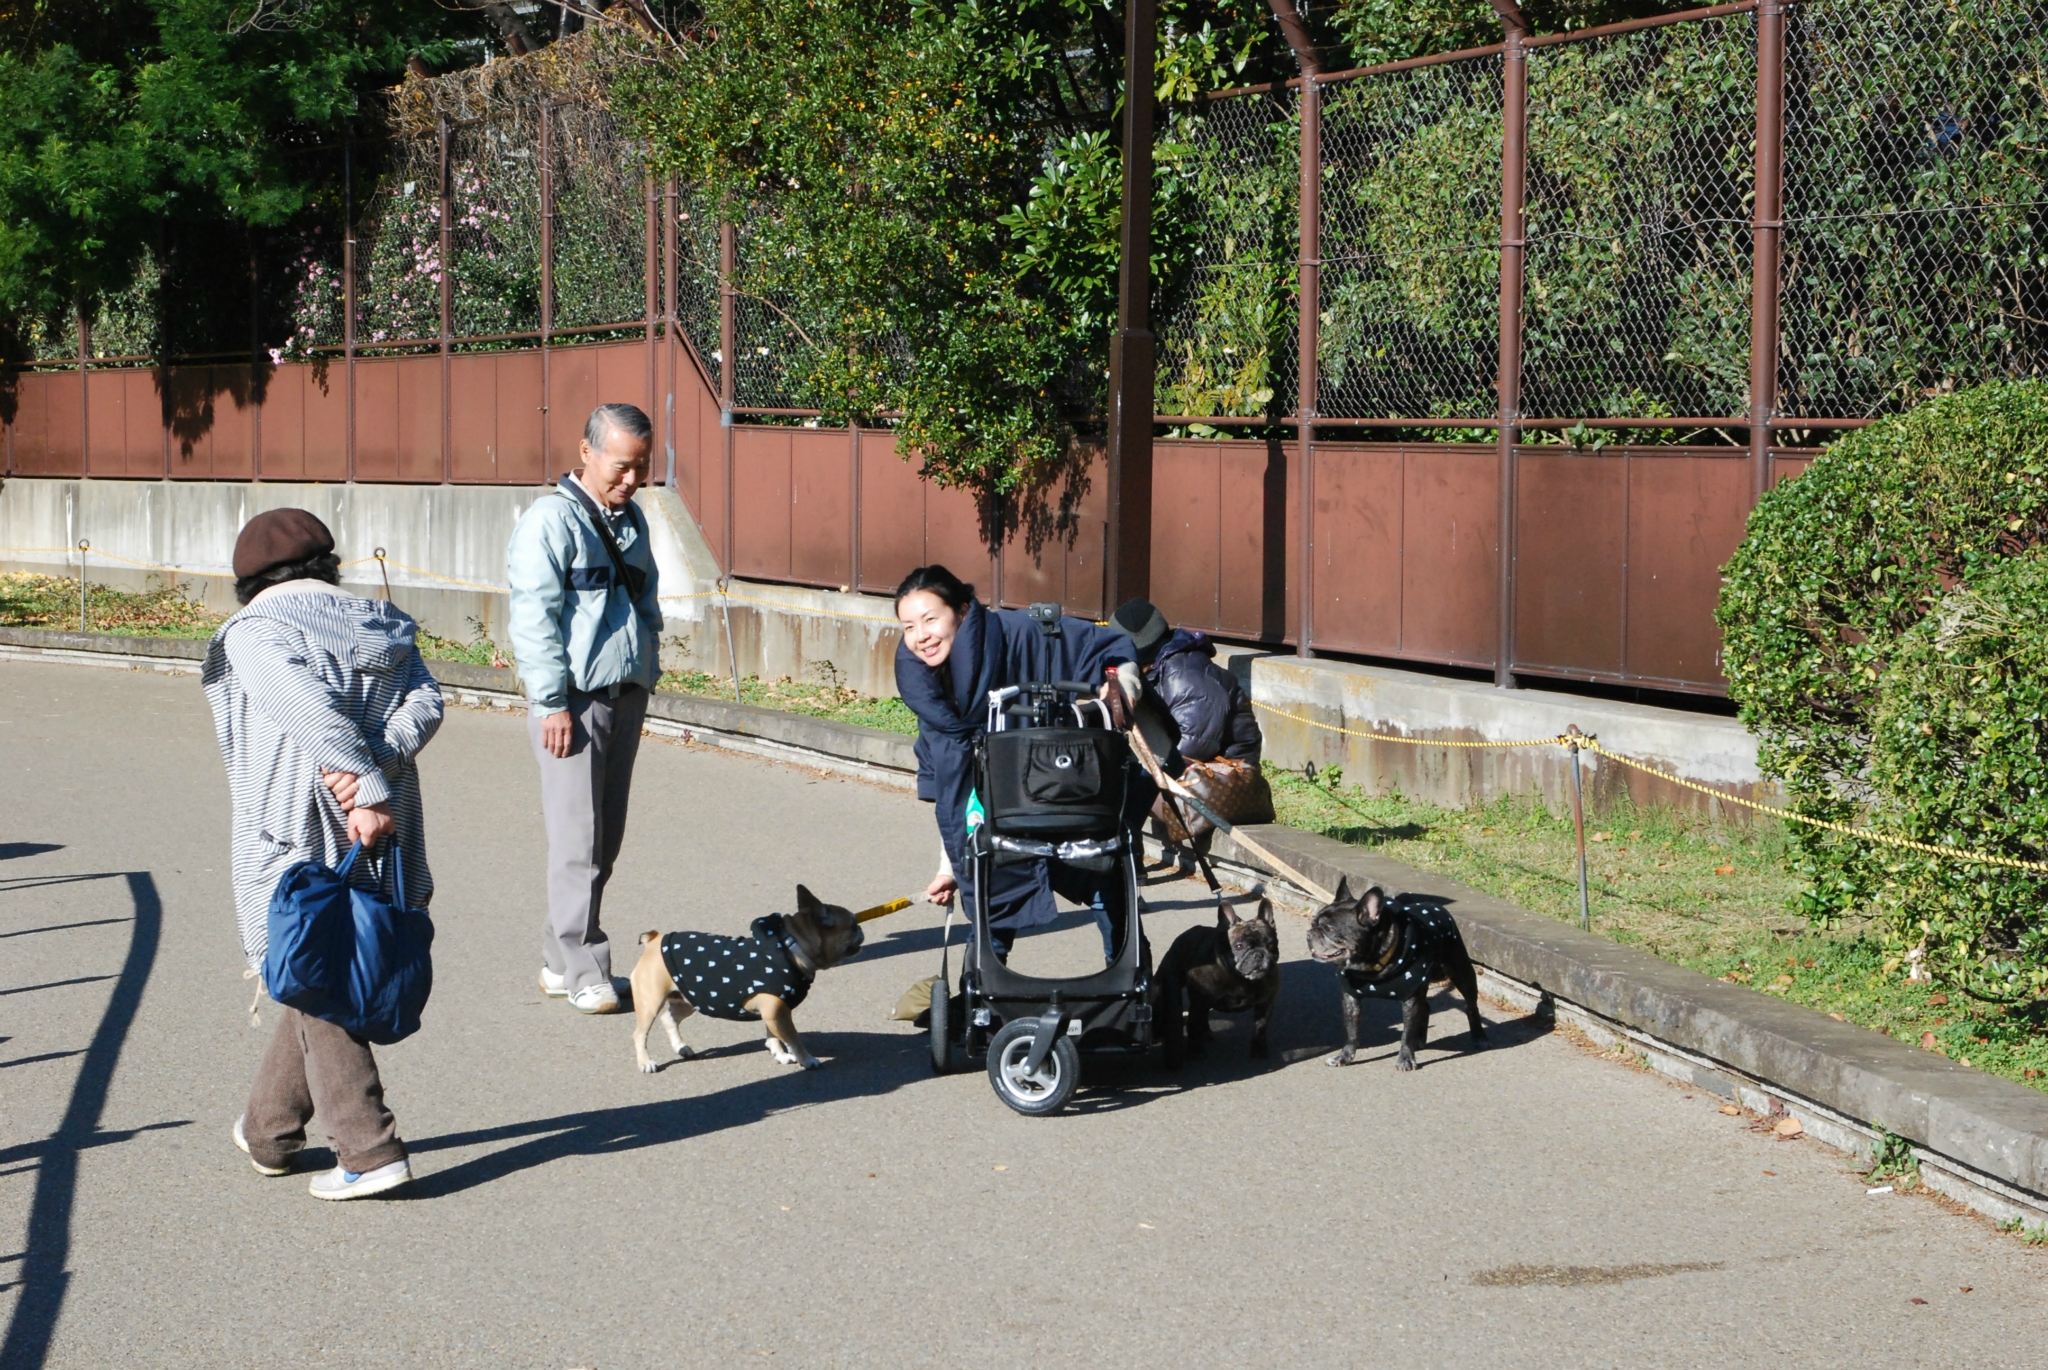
{"x": 447, "y": 545}
{"x": 1372, "y": 699}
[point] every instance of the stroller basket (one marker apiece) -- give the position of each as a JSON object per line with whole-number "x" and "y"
{"x": 1054, "y": 783}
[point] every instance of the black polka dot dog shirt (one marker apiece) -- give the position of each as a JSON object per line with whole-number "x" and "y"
{"x": 1406, "y": 973}
{"x": 719, "y": 974}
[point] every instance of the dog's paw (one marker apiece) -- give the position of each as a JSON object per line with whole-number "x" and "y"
{"x": 684, "y": 1053}
{"x": 811, "y": 1063}
{"x": 1338, "y": 1058}
{"x": 1405, "y": 1061}
{"x": 647, "y": 1067}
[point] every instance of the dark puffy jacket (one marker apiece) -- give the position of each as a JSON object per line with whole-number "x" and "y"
{"x": 1208, "y": 705}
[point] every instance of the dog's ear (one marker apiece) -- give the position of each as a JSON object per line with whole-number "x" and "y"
{"x": 1372, "y": 904}
{"x": 806, "y": 902}
{"x": 1266, "y": 912}
{"x": 1344, "y": 895}
{"x": 1225, "y": 914}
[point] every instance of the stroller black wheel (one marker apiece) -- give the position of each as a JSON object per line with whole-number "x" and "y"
{"x": 942, "y": 1043}
{"x": 1038, "y": 1093}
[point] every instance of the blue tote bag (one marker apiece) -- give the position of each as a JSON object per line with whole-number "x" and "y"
{"x": 350, "y": 956}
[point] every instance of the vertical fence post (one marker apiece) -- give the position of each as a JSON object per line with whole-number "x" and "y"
{"x": 447, "y": 276}
{"x": 256, "y": 378}
{"x": 728, "y": 346}
{"x": 1308, "y": 299}
{"x": 348, "y": 291}
{"x": 650, "y": 271}
{"x": 1513, "y": 249}
{"x": 668, "y": 332}
{"x": 1309, "y": 291}
{"x": 547, "y": 274}
{"x": 84, "y": 399}
{"x": 1766, "y": 240}
{"x": 1127, "y": 559}
{"x": 1579, "y": 828}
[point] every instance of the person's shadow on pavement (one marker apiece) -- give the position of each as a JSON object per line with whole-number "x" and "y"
{"x": 860, "y": 1064}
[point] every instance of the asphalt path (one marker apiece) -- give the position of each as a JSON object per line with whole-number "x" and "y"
{"x": 1531, "y": 1205}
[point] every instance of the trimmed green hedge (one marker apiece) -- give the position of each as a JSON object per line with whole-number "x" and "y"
{"x": 1818, "y": 615}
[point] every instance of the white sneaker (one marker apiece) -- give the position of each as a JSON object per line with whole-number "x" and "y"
{"x": 552, "y": 985}
{"x": 597, "y": 998}
{"x": 291, "y": 1150}
{"x": 346, "y": 1184}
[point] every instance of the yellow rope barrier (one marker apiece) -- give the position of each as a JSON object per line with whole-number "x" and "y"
{"x": 1410, "y": 741}
{"x": 1588, "y": 743}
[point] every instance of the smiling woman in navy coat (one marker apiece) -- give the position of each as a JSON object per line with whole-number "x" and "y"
{"x": 954, "y": 651}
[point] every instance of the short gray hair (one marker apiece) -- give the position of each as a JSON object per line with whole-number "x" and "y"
{"x": 607, "y": 419}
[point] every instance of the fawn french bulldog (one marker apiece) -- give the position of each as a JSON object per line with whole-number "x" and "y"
{"x": 762, "y": 976}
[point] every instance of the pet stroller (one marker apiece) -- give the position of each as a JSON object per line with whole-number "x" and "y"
{"x": 1051, "y": 779}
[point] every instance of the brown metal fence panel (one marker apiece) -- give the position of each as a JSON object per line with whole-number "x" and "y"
{"x": 1053, "y": 546}
{"x": 821, "y": 506}
{"x": 474, "y": 404}
{"x": 760, "y": 504}
{"x": 213, "y": 431}
{"x": 892, "y": 515}
{"x": 283, "y": 451}
{"x": 1226, "y": 536}
{"x": 520, "y": 456}
{"x": 1357, "y": 538}
{"x": 1686, "y": 516}
{"x": 64, "y": 425}
{"x": 1450, "y": 553}
{"x": 1571, "y": 542}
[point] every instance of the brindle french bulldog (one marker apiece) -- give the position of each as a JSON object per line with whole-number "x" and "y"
{"x": 761, "y": 976}
{"x": 1391, "y": 949}
{"x": 1232, "y": 966}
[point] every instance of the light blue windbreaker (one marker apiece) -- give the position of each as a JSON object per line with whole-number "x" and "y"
{"x": 572, "y": 627}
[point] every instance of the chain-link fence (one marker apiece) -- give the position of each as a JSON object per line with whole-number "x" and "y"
{"x": 1914, "y": 243}
{"x": 1411, "y": 243}
{"x": 1639, "y": 183}
{"x": 1916, "y": 149}
{"x": 1229, "y": 172}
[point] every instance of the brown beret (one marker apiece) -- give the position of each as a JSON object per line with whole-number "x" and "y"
{"x": 277, "y": 536}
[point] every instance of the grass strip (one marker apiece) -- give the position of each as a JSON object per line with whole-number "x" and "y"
{"x": 1709, "y": 896}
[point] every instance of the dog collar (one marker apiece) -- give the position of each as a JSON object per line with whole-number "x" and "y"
{"x": 796, "y": 959}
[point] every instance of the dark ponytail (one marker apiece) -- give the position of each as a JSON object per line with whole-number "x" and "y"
{"x": 954, "y": 592}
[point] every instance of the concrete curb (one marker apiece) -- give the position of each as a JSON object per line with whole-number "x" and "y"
{"x": 1980, "y": 1139}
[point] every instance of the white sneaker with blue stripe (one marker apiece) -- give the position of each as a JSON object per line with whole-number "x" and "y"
{"x": 347, "y": 1184}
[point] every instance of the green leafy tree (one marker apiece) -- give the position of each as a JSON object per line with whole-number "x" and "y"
{"x": 135, "y": 126}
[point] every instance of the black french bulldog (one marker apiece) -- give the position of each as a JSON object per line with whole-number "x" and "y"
{"x": 1391, "y": 949}
{"x": 1232, "y": 966}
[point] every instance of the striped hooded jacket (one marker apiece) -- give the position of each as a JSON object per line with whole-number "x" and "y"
{"x": 308, "y": 677}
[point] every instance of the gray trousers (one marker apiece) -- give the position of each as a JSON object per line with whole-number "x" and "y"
{"x": 583, "y": 799}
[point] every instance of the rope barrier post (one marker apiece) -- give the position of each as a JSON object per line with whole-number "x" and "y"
{"x": 732, "y": 657}
{"x": 1579, "y": 827}
{"x": 384, "y": 571}
{"x": 83, "y": 547}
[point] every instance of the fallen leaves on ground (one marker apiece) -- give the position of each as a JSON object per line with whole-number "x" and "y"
{"x": 1789, "y": 1128}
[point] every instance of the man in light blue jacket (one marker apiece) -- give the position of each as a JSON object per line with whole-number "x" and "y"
{"x": 586, "y": 624}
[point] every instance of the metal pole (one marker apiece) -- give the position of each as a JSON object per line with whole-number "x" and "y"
{"x": 1307, "y": 370}
{"x": 1767, "y": 232}
{"x": 348, "y": 290}
{"x": 547, "y": 271}
{"x": 1579, "y": 829}
{"x": 1513, "y": 249}
{"x": 1128, "y": 559}
{"x": 728, "y": 346}
{"x": 651, "y": 271}
{"x": 446, "y": 272}
{"x": 84, "y": 399}
{"x": 83, "y": 548}
{"x": 668, "y": 332}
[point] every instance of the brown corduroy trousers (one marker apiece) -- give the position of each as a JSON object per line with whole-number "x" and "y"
{"x": 313, "y": 1068}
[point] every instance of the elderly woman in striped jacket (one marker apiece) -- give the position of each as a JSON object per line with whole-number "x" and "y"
{"x": 321, "y": 702}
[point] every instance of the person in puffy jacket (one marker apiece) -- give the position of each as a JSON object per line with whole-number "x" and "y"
{"x": 1211, "y": 712}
